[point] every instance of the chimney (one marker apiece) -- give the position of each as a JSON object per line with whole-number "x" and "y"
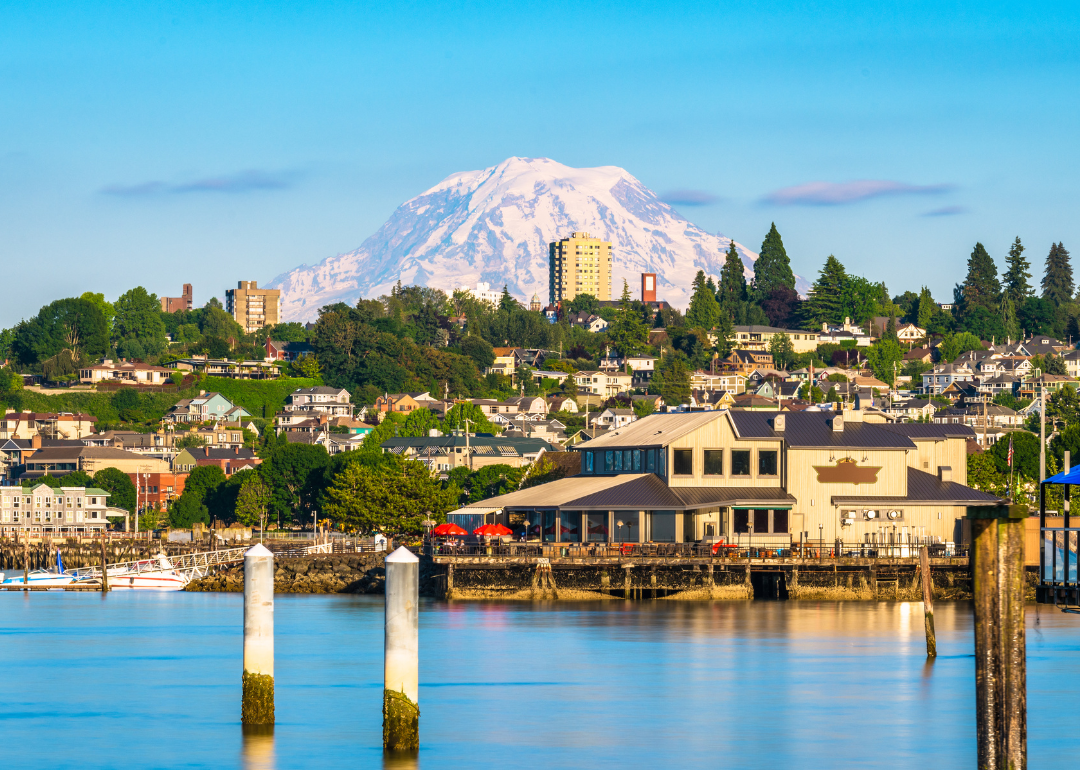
{"x": 779, "y": 423}
{"x": 35, "y": 442}
{"x": 236, "y": 450}
{"x": 207, "y": 451}
{"x": 838, "y": 423}
{"x": 944, "y": 473}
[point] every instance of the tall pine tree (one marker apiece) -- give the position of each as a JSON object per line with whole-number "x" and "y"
{"x": 927, "y": 306}
{"x": 1015, "y": 280}
{"x": 703, "y": 311}
{"x": 772, "y": 269}
{"x": 826, "y": 303}
{"x": 1057, "y": 282}
{"x": 732, "y": 291}
{"x": 981, "y": 287}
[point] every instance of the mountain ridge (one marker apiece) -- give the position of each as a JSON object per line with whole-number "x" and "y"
{"x": 495, "y": 224}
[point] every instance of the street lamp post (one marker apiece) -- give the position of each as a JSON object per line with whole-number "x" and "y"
{"x": 820, "y": 539}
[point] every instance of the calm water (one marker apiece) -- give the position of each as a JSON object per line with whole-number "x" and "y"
{"x": 154, "y": 681}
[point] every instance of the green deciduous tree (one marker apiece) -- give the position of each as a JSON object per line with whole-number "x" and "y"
{"x": 394, "y": 496}
{"x": 882, "y": 357}
{"x": 782, "y": 351}
{"x": 187, "y": 510}
{"x": 478, "y": 422}
{"x": 1025, "y": 454}
{"x": 305, "y": 366}
{"x": 74, "y": 325}
{"x": 289, "y": 471}
{"x": 772, "y": 268}
{"x": 1057, "y": 282}
{"x": 138, "y": 329}
{"x": 253, "y": 501}
{"x": 955, "y": 345}
{"x": 122, "y": 493}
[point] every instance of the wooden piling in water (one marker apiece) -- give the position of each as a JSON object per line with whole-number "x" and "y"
{"x": 257, "y": 702}
{"x": 26, "y": 563}
{"x": 401, "y": 661}
{"x": 928, "y": 602}
{"x": 104, "y": 568}
{"x": 997, "y": 570}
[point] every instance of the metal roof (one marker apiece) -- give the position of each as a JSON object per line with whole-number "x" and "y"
{"x": 807, "y": 429}
{"x": 654, "y": 430}
{"x": 925, "y": 488}
{"x": 923, "y": 430}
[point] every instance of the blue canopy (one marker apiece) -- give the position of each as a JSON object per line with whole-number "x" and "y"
{"x": 1072, "y": 477}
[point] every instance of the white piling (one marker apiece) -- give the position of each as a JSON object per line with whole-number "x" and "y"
{"x": 401, "y": 711}
{"x": 257, "y": 706}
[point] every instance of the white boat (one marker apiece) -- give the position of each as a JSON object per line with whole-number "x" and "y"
{"x": 155, "y": 574}
{"x": 41, "y": 578}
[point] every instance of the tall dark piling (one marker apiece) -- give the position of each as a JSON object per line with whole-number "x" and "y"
{"x": 257, "y": 704}
{"x": 928, "y": 601}
{"x": 997, "y": 569}
{"x": 104, "y": 567}
{"x": 401, "y": 662}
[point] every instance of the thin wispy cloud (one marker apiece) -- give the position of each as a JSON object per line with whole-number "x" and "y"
{"x": 233, "y": 184}
{"x": 842, "y": 193}
{"x": 947, "y": 211}
{"x": 689, "y": 198}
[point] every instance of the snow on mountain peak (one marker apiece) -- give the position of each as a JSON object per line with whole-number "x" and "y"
{"x": 495, "y": 225}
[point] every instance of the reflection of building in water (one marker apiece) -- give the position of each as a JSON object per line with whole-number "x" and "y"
{"x": 776, "y": 477}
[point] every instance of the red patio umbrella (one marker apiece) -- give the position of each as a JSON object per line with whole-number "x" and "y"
{"x": 493, "y": 530}
{"x": 448, "y": 529}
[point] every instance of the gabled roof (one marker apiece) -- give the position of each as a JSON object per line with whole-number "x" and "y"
{"x": 806, "y": 429}
{"x": 654, "y": 430}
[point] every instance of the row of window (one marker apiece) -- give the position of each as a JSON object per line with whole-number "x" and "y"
{"x": 25, "y": 502}
{"x": 626, "y": 461}
{"x": 740, "y": 462}
{"x": 49, "y": 516}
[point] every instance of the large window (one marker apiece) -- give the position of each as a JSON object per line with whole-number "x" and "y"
{"x": 637, "y": 461}
{"x": 547, "y": 519}
{"x": 588, "y": 462}
{"x": 609, "y": 461}
{"x": 570, "y": 529}
{"x": 761, "y": 519}
{"x": 627, "y": 527}
{"x": 740, "y": 462}
{"x": 714, "y": 462}
{"x": 683, "y": 462}
{"x": 650, "y": 460}
{"x": 764, "y": 521}
{"x": 766, "y": 462}
{"x": 596, "y": 524}
{"x": 663, "y": 526}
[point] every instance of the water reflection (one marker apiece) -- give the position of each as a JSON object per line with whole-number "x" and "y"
{"x": 400, "y": 761}
{"x": 258, "y": 749}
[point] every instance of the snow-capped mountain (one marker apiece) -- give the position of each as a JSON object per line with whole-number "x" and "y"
{"x": 495, "y": 226}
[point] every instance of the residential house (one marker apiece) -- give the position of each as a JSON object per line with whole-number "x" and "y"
{"x": 60, "y": 461}
{"x": 845, "y": 332}
{"x": 910, "y": 334}
{"x": 125, "y": 372}
{"x": 14, "y": 452}
{"x": 746, "y": 361}
{"x": 276, "y": 350}
{"x": 562, "y": 404}
{"x": 711, "y": 399}
{"x": 224, "y": 367}
{"x": 46, "y": 511}
{"x": 546, "y": 374}
{"x": 397, "y": 402}
{"x": 940, "y": 377}
{"x": 586, "y": 320}
{"x": 924, "y": 355}
{"x": 444, "y": 453}
{"x": 760, "y": 337}
{"x": 914, "y": 409}
{"x": 331, "y": 401}
{"x": 54, "y": 425}
{"x": 206, "y": 407}
{"x": 784, "y": 476}
{"x": 604, "y": 384}
{"x": 229, "y": 460}
{"x": 998, "y": 383}
{"x": 612, "y": 419}
{"x": 1031, "y": 387}
{"x": 723, "y": 381}
{"x": 528, "y": 404}
{"x": 751, "y": 401}
{"x": 657, "y": 401}
{"x": 507, "y": 361}
{"x": 1072, "y": 363}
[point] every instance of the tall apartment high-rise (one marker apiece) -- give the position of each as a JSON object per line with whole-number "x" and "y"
{"x": 252, "y": 307}
{"x": 579, "y": 264}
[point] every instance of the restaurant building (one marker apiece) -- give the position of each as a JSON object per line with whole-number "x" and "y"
{"x": 778, "y": 477}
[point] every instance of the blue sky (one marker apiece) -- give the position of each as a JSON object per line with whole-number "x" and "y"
{"x": 160, "y": 143}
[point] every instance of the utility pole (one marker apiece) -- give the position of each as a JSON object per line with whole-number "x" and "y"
{"x": 984, "y": 398}
{"x": 468, "y": 456}
{"x": 1042, "y": 433}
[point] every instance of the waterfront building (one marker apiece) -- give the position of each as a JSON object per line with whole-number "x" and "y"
{"x": 779, "y": 478}
{"x": 579, "y": 264}
{"x": 44, "y": 510}
{"x": 252, "y": 307}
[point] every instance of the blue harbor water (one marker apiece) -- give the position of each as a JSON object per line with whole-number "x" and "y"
{"x": 153, "y": 681}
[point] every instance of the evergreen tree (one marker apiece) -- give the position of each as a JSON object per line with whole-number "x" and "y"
{"x": 1057, "y": 282}
{"x": 826, "y": 303}
{"x": 981, "y": 287}
{"x": 507, "y": 301}
{"x": 703, "y": 312}
{"x": 927, "y": 306}
{"x": 1015, "y": 280}
{"x": 732, "y": 291}
{"x": 772, "y": 269}
{"x": 1008, "y": 317}
{"x": 628, "y": 332}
